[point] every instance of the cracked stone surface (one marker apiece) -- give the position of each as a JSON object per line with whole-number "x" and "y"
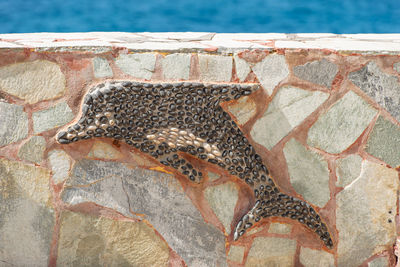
{"x": 271, "y": 71}
{"x": 316, "y": 258}
{"x": 342, "y": 124}
{"x": 97, "y": 241}
{"x": 159, "y": 196}
{"x": 242, "y": 68}
{"x": 139, "y": 66}
{"x": 14, "y": 123}
{"x": 60, "y": 164}
{"x": 222, "y": 199}
{"x": 289, "y": 107}
{"x": 176, "y": 66}
{"x": 384, "y": 142}
{"x": 381, "y": 87}
{"x": 348, "y": 169}
{"x": 366, "y": 210}
{"x": 26, "y": 219}
{"x": 236, "y": 254}
{"x": 309, "y": 173}
{"x": 215, "y": 68}
{"x": 271, "y": 251}
{"x": 33, "y": 81}
{"x": 56, "y": 116}
{"x": 101, "y": 68}
{"x": 33, "y": 149}
{"x": 321, "y": 72}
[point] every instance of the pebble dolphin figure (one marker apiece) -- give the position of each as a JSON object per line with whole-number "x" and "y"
{"x": 168, "y": 119}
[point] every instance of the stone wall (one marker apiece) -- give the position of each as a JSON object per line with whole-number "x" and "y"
{"x": 325, "y": 122}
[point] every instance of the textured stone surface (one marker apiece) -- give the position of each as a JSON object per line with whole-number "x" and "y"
{"x": 101, "y": 68}
{"x": 33, "y": 81}
{"x": 213, "y": 176}
{"x": 384, "y": 142}
{"x": 271, "y": 71}
{"x": 215, "y": 68}
{"x": 14, "y": 123}
{"x": 53, "y": 117}
{"x": 236, "y": 254}
{"x": 242, "y": 68}
{"x": 243, "y": 110}
{"x": 103, "y": 150}
{"x": 280, "y": 228}
{"x": 316, "y": 258}
{"x": 96, "y": 241}
{"x": 309, "y": 174}
{"x": 26, "y": 222}
{"x": 222, "y": 199}
{"x": 342, "y": 124}
{"x": 348, "y": 169}
{"x": 381, "y": 87}
{"x": 365, "y": 214}
{"x": 156, "y": 195}
{"x": 33, "y": 149}
{"x": 272, "y": 251}
{"x": 137, "y": 65}
{"x": 288, "y": 109}
{"x": 379, "y": 262}
{"x": 60, "y": 164}
{"x": 320, "y": 72}
{"x": 176, "y": 66}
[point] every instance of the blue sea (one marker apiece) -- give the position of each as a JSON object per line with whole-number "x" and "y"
{"x": 290, "y": 16}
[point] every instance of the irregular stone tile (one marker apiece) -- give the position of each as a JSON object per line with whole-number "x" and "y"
{"x": 288, "y": 109}
{"x": 222, "y": 199}
{"x": 53, "y": 117}
{"x": 96, "y": 241}
{"x": 157, "y": 195}
{"x": 213, "y": 176}
{"x": 271, "y": 71}
{"x": 272, "y": 251}
{"x": 33, "y": 149}
{"x": 242, "y": 68}
{"x": 236, "y": 254}
{"x": 103, "y": 150}
{"x": 26, "y": 222}
{"x": 309, "y": 173}
{"x": 321, "y": 72}
{"x": 215, "y": 68}
{"x": 348, "y": 169}
{"x": 382, "y": 87}
{"x": 396, "y": 67}
{"x": 379, "y": 262}
{"x": 137, "y": 65}
{"x": 171, "y": 212}
{"x": 60, "y": 164}
{"x": 33, "y": 81}
{"x": 365, "y": 214}
{"x": 316, "y": 258}
{"x": 280, "y": 228}
{"x": 176, "y": 66}
{"x": 342, "y": 124}
{"x": 101, "y": 68}
{"x": 243, "y": 110}
{"x": 14, "y": 123}
{"x": 384, "y": 142}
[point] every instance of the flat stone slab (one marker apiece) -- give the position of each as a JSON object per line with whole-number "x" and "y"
{"x": 342, "y": 124}
{"x": 289, "y": 107}
{"x": 309, "y": 173}
{"x": 14, "y": 123}
{"x": 101, "y": 68}
{"x": 56, "y": 116}
{"x": 320, "y": 72}
{"x": 60, "y": 164}
{"x": 243, "y": 110}
{"x": 139, "y": 66}
{"x": 280, "y": 228}
{"x": 176, "y": 66}
{"x": 316, "y": 258}
{"x": 236, "y": 254}
{"x": 381, "y": 87}
{"x": 348, "y": 169}
{"x": 384, "y": 142}
{"x": 365, "y": 215}
{"x": 33, "y": 149}
{"x": 215, "y": 68}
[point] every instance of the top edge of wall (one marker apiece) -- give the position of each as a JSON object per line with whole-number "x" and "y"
{"x": 100, "y": 42}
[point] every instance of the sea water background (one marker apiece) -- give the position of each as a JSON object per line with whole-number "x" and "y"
{"x": 290, "y": 16}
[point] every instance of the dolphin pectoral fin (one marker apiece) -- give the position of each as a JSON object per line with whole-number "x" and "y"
{"x": 248, "y": 220}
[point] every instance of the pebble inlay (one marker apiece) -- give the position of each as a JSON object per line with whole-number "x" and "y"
{"x": 162, "y": 119}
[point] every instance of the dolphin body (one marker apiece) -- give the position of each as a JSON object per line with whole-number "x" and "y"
{"x": 167, "y": 119}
